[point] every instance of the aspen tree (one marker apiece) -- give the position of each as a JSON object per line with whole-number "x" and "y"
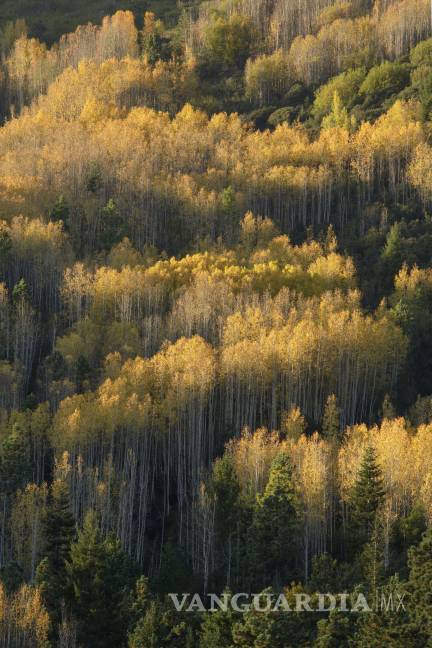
{"x": 312, "y": 460}
{"x": 27, "y": 520}
{"x": 25, "y": 622}
{"x": 404, "y": 24}
{"x": 267, "y": 77}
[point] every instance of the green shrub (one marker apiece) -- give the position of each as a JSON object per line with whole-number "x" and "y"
{"x": 384, "y": 80}
{"x": 346, "y": 85}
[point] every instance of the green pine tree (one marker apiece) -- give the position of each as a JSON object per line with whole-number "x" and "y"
{"x": 407, "y": 531}
{"x": 392, "y": 255}
{"x": 335, "y": 632}
{"x": 225, "y": 488}
{"x": 276, "y": 518}
{"x": 388, "y": 624}
{"x": 20, "y": 292}
{"x": 217, "y": 627}
{"x": 367, "y": 497}
{"x": 174, "y": 574}
{"x": 60, "y": 211}
{"x": 419, "y": 586}
{"x": 112, "y": 226}
{"x": 267, "y": 628}
{"x": 11, "y": 576}
{"x": 161, "y": 626}
{"x": 147, "y": 634}
{"x": 59, "y": 532}
{"x": 15, "y": 466}
{"x": 100, "y": 577}
{"x": 325, "y": 574}
{"x": 83, "y": 374}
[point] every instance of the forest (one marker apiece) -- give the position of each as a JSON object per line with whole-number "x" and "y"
{"x": 215, "y": 321}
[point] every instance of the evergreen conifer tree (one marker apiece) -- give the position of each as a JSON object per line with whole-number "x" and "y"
{"x": 367, "y": 497}
{"x": 101, "y": 578}
{"x": 15, "y": 468}
{"x": 59, "y": 532}
{"x": 419, "y": 586}
{"x": 335, "y": 631}
{"x": 273, "y": 545}
{"x": 226, "y": 490}
{"x": 217, "y": 627}
{"x": 389, "y": 623}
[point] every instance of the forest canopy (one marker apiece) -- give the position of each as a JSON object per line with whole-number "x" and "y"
{"x": 215, "y": 320}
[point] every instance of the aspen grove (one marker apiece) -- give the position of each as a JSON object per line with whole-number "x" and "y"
{"x": 215, "y": 322}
